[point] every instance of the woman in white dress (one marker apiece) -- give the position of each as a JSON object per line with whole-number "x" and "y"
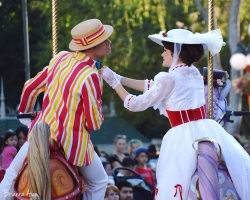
{"x": 179, "y": 95}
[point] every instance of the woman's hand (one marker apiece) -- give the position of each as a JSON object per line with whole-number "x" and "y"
{"x": 109, "y": 76}
{"x": 119, "y": 77}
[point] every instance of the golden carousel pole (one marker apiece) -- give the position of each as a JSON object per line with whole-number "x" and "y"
{"x": 54, "y": 28}
{"x": 210, "y": 62}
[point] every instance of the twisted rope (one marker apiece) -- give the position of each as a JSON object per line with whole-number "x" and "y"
{"x": 54, "y": 28}
{"x": 210, "y": 62}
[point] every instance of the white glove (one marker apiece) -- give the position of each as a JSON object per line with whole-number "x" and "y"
{"x": 119, "y": 77}
{"x": 110, "y": 77}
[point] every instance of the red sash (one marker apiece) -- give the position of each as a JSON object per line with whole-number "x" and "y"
{"x": 184, "y": 116}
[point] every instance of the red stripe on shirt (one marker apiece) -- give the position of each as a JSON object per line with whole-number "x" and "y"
{"x": 86, "y": 107}
{"x": 54, "y": 68}
{"x": 97, "y": 85}
{"x": 29, "y": 89}
{"x": 76, "y": 126}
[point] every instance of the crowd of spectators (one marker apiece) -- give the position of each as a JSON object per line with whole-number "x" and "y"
{"x": 130, "y": 157}
{"x": 9, "y": 146}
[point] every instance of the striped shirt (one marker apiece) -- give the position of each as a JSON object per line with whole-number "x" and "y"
{"x": 71, "y": 105}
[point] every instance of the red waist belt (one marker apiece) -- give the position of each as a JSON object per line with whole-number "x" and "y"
{"x": 183, "y": 116}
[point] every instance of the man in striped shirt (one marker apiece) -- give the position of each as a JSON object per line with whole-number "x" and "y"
{"x": 72, "y": 103}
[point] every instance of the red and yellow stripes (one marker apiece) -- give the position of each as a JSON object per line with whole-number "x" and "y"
{"x": 71, "y": 105}
{"x": 32, "y": 89}
{"x": 84, "y": 41}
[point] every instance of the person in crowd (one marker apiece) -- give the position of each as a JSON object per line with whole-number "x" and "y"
{"x": 72, "y": 104}
{"x": 129, "y": 163}
{"x": 104, "y": 155}
{"x": 126, "y": 190}
{"x": 108, "y": 169}
{"x": 133, "y": 145}
{"x": 120, "y": 142}
{"x": 141, "y": 157}
{"x": 179, "y": 95}
{"x": 112, "y": 193}
{"x": 153, "y": 151}
{"x": 10, "y": 150}
{"x": 21, "y": 132}
{"x": 153, "y": 155}
{"x": 103, "y": 159}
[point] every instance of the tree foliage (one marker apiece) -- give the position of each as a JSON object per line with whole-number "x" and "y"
{"x": 133, "y": 54}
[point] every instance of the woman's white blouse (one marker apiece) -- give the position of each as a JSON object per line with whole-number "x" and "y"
{"x": 182, "y": 88}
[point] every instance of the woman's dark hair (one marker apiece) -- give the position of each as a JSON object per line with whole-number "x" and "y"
{"x": 8, "y": 134}
{"x": 23, "y": 129}
{"x": 190, "y": 53}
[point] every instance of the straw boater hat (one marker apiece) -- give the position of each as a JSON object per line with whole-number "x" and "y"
{"x": 212, "y": 40}
{"x": 88, "y": 34}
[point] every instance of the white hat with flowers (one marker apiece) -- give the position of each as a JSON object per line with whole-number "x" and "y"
{"x": 212, "y": 40}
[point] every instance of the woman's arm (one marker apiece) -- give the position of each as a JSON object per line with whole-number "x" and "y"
{"x": 122, "y": 93}
{"x": 160, "y": 90}
{"x": 139, "y": 85}
{"x": 152, "y": 97}
{"x": 133, "y": 83}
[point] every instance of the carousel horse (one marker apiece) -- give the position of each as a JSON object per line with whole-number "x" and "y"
{"x": 221, "y": 88}
{"x": 211, "y": 180}
{"x": 46, "y": 174}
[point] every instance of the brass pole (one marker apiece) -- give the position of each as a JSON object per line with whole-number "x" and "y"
{"x": 54, "y": 28}
{"x": 210, "y": 63}
{"x": 26, "y": 39}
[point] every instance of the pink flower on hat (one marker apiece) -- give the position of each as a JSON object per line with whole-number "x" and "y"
{"x": 164, "y": 34}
